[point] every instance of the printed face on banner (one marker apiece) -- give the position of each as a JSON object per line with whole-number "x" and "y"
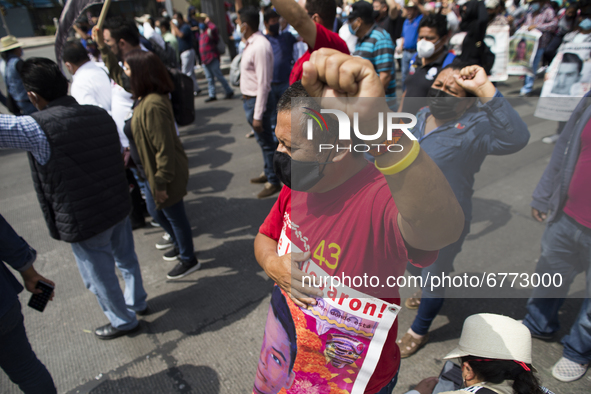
{"x": 275, "y": 368}
{"x": 569, "y": 73}
{"x": 520, "y": 51}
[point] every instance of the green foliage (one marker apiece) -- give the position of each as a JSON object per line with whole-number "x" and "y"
{"x": 195, "y": 3}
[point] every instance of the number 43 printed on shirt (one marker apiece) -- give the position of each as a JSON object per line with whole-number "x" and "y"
{"x": 333, "y": 252}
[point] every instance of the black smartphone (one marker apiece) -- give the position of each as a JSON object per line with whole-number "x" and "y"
{"x": 450, "y": 378}
{"x": 39, "y": 301}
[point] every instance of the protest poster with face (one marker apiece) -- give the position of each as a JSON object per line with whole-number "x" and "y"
{"x": 567, "y": 79}
{"x": 522, "y": 51}
{"x": 497, "y": 39}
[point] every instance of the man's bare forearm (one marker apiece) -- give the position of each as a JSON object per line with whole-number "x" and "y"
{"x": 298, "y": 18}
{"x": 430, "y": 215}
{"x": 265, "y": 248}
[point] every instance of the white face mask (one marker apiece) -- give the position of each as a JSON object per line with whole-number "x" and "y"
{"x": 425, "y": 48}
{"x": 176, "y": 22}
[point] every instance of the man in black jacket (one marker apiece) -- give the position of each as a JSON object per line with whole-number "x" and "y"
{"x": 77, "y": 169}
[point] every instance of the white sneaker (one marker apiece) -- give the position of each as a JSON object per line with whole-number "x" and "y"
{"x": 550, "y": 139}
{"x": 568, "y": 371}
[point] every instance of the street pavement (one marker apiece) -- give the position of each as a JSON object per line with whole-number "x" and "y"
{"x": 204, "y": 332}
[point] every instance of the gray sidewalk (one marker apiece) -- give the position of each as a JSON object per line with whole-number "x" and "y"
{"x": 205, "y": 331}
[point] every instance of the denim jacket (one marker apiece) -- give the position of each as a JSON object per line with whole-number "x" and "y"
{"x": 552, "y": 190}
{"x": 14, "y": 86}
{"x": 459, "y": 147}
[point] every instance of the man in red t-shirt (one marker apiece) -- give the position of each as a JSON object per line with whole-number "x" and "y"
{"x": 346, "y": 215}
{"x": 313, "y": 20}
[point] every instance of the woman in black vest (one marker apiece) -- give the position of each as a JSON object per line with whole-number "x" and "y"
{"x": 161, "y": 153}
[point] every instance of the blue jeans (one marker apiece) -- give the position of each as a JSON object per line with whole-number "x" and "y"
{"x": 528, "y": 83}
{"x": 405, "y": 66}
{"x": 175, "y": 222}
{"x": 18, "y": 359}
{"x": 212, "y": 72}
{"x": 265, "y": 139}
{"x": 566, "y": 249}
{"x": 432, "y": 301}
{"x": 277, "y": 90}
{"x": 387, "y": 389}
{"x": 97, "y": 258}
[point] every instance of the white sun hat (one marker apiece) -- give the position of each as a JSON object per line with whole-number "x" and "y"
{"x": 495, "y": 337}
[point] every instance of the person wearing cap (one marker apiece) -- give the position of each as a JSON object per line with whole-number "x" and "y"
{"x": 209, "y": 38}
{"x": 495, "y": 356}
{"x": 413, "y": 11}
{"x": 373, "y": 44}
{"x": 541, "y": 16}
{"x": 182, "y": 30}
{"x": 432, "y": 55}
{"x": 11, "y": 51}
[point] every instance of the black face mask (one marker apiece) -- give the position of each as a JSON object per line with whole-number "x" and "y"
{"x": 274, "y": 29}
{"x": 443, "y": 105}
{"x": 309, "y": 172}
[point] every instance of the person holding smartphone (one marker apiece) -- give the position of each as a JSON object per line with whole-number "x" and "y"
{"x": 17, "y": 358}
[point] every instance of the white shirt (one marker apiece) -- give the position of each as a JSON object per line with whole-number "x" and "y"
{"x": 91, "y": 86}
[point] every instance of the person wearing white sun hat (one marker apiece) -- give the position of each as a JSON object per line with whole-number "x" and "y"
{"x": 495, "y": 357}
{"x": 11, "y": 51}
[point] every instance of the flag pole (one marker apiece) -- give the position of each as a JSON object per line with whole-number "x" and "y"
{"x": 103, "y": 15}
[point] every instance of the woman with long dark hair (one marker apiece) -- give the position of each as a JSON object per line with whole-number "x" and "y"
{"x": 163, "y": 159}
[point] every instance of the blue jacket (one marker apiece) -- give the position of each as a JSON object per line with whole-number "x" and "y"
{"x": 460, "y": 146}
{"x": 14, "y": 86}
{"x": 552, "y": 190}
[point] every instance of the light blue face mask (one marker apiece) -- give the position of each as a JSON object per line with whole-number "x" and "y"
{"x": 158, "y": 30}
{"x": 535, "y": 7}
{"x": 353, "y": 32}
{"x": 585, "y": 24}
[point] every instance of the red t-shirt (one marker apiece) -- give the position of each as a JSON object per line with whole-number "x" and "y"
{"x": 324, "y": 39}
{"x": 360, "y": 218}
{"x": 578, "y": 204}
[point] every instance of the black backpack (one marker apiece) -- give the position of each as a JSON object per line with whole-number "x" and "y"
{"x": 166, "y": 54}
{"x": 183, "y": 102}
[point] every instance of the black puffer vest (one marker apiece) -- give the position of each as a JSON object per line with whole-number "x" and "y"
{"x": 82, "y": 189}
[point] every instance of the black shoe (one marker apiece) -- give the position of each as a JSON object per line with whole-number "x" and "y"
{"x": 184, "y": 269}
{"x": 172, "y": 254}
{"x": 229, "y": 95}
{"x": 143, "y": 312}
{"x": 135, "y": 224}
{"x": 154, "y": 223}
{"x": 109, "y": 332}
{"x": 210, "y": 99}
{"x": 197, "y": 92}
{"x": 165, "y": 242}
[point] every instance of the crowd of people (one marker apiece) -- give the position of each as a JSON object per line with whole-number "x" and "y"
{"x": 105, "y": 150}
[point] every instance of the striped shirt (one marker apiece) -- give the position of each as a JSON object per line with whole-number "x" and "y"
{"x": 23, "y": 132}
{"x": 377, "y": 47}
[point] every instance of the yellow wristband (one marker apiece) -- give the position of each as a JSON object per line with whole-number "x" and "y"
{"x": 404, "y": 163}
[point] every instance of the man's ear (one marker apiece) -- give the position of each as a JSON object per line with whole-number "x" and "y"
{"x": 33, "y": 98}
{"x": 69, "y": 67}
{"x": 121, "y": 44}
{"x": 343, "y": 151}
{"x": 316, "y": 18}
{"x": 468, "y": 372}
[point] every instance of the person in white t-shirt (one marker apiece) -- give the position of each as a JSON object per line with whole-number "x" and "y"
{"x": 91, "y": 84}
